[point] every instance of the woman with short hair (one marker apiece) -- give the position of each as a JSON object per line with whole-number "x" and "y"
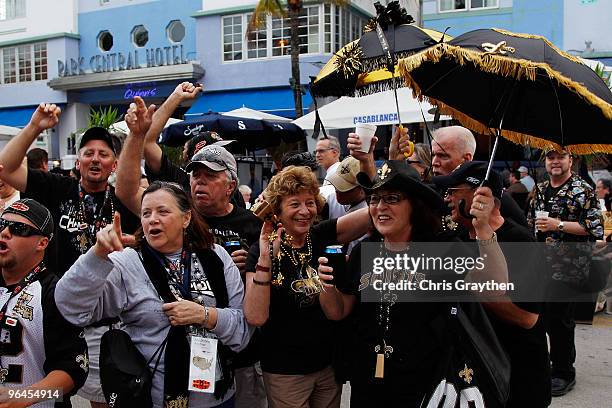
{"x": 283, "y": 291}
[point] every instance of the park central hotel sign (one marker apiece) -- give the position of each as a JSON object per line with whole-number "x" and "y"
{"x": 118, "y": 61}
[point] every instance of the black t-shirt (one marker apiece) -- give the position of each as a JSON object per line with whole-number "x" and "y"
{"x": 74, "y": 229}
{"x": 415, "y": 345}
{"x": 297, "y": 338}
{"x": 243, "y": 226}
{"x": 37, "y": 338}
{"x": 239, "y": 224}
{"x": 527, "y": 349}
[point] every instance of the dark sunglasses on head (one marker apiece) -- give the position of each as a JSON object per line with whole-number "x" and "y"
{"x": 19, "y": 228}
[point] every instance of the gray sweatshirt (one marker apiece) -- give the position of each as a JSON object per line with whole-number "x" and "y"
{"x": 96, "y": 288}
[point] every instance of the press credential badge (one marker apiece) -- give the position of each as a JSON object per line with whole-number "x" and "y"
{"x": 203, "y": 364}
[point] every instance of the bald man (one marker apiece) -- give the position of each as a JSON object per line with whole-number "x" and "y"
{"x": 454, "y": 145}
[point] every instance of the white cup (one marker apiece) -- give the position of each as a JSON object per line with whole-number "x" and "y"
{"x": 541, "y": 215}
{"x": 366, "y": 133}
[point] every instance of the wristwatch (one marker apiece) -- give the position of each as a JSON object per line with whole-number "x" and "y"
{"x": 561, "y": 226}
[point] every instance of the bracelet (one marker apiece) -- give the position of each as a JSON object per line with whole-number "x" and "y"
{"x": 206, "y": 316}
{"x": 262, "y": 283}
{"x": 484, "y": 242}
{"x": 258, "y": 267}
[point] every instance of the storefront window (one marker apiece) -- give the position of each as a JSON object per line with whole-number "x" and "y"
{"x": 175, "y": 31}
{"x": 140, "y": 36}
{"x": 10, "y": 9}
{"x": 105, "y": 41}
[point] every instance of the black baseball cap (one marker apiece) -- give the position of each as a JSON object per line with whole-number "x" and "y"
{"x": 472, "y": 173}
{"x": 97, "y": 133}
{"x": 196, "y": 143}
{"x": 34, "y": 211}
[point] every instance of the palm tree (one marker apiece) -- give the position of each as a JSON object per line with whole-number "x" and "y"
{"x": 291, "y": 10}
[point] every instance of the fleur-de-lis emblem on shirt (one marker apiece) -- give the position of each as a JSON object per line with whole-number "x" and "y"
{"x": 466, "y": 374}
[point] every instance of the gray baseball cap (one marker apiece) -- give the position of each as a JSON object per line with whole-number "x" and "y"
{"x": 216, "y": 158}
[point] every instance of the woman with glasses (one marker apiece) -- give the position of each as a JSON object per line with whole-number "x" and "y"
{"x": 394, "y": 351}
{"x": 174, "y": 287}
{"x": 283, "y": 291}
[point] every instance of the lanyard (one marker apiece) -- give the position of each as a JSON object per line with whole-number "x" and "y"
{"x": 96, "y": 223}
{"x": 29, "y": 278}
{"x": 179, "y": 277}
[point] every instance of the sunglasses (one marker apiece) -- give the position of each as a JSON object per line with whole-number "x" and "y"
{"x": 19, "y": 228}
{"x": 453, "y": 190}
{"x": 392, "y": 198}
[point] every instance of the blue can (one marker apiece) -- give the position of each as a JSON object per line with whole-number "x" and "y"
{"x": 231, "y": 246}
{"x": 336, "y": 259}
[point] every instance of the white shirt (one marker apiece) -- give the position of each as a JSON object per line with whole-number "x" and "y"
{"x": 528, "y": 182}
{"x": 7, "y": 203}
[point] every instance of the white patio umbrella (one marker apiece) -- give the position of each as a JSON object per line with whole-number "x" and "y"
{"x": 9, "y": 131}
{"x": 249, "y": 113}
{"x": 377, "y": 109}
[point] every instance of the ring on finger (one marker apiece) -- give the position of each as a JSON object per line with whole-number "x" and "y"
{"x": 481, "y": 206}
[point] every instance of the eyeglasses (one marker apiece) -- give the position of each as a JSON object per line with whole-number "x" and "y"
{"x": 450, "y": 191}
{"x": 392, "y": 198}
{"x": 19, "y": 228}
{"x": 323, "y": 150}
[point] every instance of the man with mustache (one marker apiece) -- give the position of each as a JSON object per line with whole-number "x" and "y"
{"x": 573, "y": 215}
{"x": 80, "y": 208}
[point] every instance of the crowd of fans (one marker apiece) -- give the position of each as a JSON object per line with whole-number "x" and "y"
{"x": 176, "y": 260}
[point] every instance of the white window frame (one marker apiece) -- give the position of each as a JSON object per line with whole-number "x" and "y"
{"x": 22, "y": 9}
{"x": 468, "y": 7}
{"x": 32, "y": 61}
{"x": 269, "y": 47}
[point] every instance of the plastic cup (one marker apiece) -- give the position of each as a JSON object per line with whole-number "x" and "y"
{"x": 540, "y": 215}
{"x": 366, "y": 133}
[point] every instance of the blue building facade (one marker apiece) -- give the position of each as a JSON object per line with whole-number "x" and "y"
{"x": 105, "y": 52}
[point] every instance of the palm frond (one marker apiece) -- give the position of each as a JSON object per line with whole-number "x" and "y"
{"x": 262, "y": 11}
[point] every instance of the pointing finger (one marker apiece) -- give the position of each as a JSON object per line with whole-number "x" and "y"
{"x": 117, "y": 223}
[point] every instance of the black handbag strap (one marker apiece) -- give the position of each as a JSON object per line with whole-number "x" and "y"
{"x": 158, "y": 353}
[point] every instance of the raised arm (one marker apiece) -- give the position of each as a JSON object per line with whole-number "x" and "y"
{"x": 127, "y": 188}
{"x": 14, "y": 169}
{"x": 259, "y": 280}
{"x": 366, "y": 160}
{"x": 152, "y": 151}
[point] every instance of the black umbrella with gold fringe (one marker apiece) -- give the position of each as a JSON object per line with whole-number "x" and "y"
{"x": 518, "y": 85}
{"x": 361, "y": 67}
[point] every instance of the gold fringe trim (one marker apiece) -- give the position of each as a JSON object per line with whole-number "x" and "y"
{"x": 539, "y": 37}
{"x": 516, "y": 137}
{"x": 496, "y": 64}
